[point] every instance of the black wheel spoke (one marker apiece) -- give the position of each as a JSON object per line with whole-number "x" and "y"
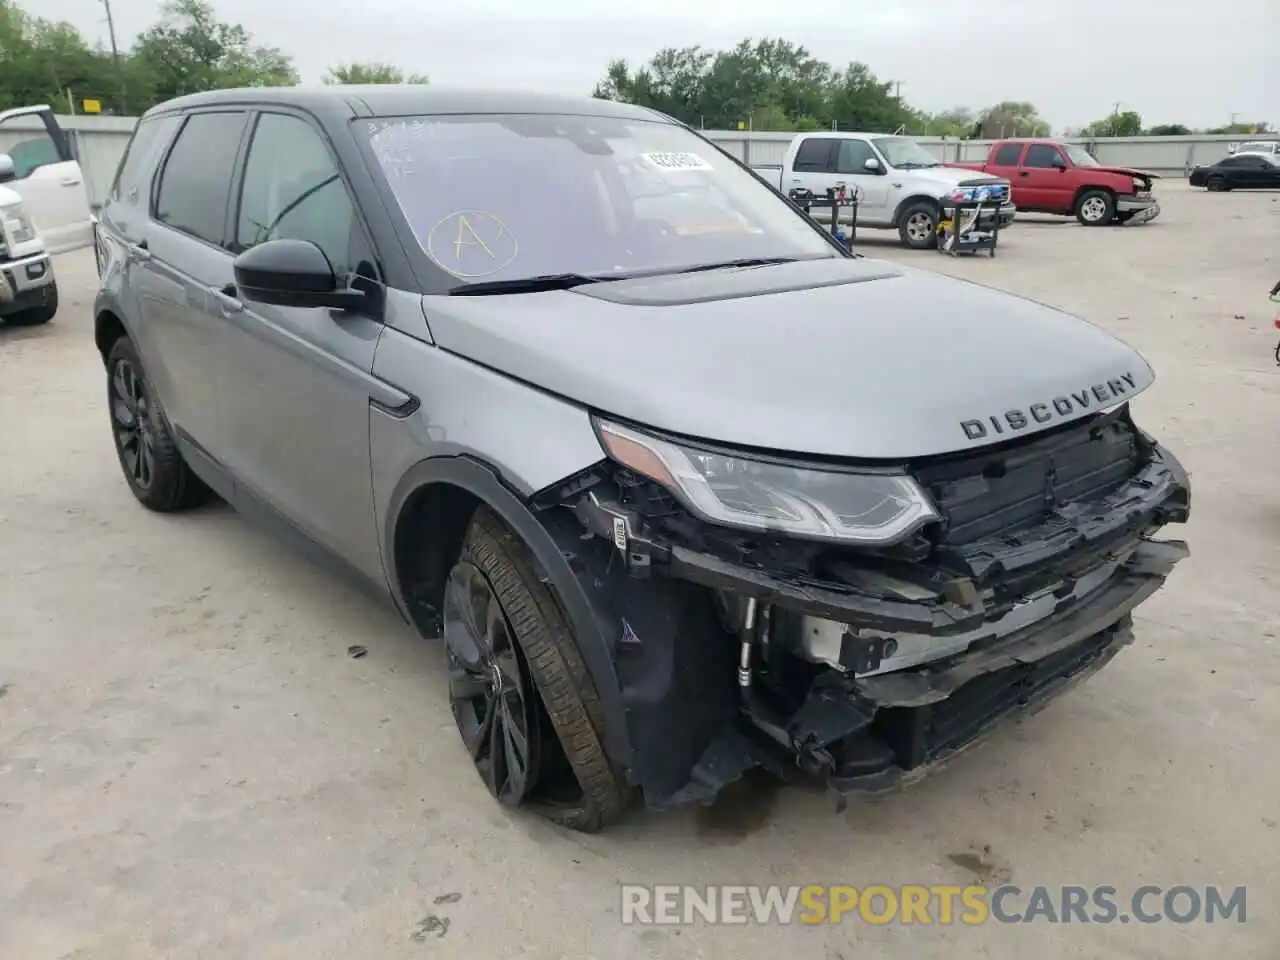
{"x": 465, "y": 685}
{"x": 488, "y": 686}
{"x": 515, "y": 744}
{"x": 129, "y": 410}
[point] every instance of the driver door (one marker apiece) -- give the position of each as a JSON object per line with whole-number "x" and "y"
{"x": 47, "y": 177}
{"x": 872, "y": 186}
{"x": 296, "y": 381}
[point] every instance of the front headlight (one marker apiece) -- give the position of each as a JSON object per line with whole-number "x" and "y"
{"x": 17, "y": 227}
{"x": 846, "y": 506}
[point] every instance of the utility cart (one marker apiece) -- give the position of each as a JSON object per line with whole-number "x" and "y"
{"x": 837, "y": 198}
{"x": 962, "y": 211}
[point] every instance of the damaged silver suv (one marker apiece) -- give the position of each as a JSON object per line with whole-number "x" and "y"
{"x": 685, "y": 487}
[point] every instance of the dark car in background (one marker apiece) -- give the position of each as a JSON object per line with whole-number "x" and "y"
{"x": 1241, "y": 171}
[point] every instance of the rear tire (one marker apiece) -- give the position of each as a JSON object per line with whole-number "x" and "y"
{"x": 495, "y": 571}
{"x": 918, "y": 226}
{"x": 153, "y": 467}
{"x": 1095, "y": 208}
{"x": 34, "y": 316}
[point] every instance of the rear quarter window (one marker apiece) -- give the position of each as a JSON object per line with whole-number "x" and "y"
{"x": 149, "y": 140}
{"x": 1007, "y": 155}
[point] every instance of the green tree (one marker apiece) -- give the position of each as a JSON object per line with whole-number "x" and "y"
{"x": 45, "y": 60}
{"x": 1168, "y": 130}
{"x": 1241, "y": 129}
{"x": 371, "y": 73}
{"x": 1127, "y": 123}
{"x": 1010, "y": 118}
{"x": 770, "y": 83}
{"x": 190, "y": 50}
{"x": 956, "y": 122}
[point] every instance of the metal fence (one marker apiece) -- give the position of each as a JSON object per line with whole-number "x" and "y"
{"x": 100, "y": 143}
{"x": 1164, "y": 155}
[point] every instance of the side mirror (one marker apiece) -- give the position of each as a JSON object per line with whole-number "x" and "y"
{"x": 292, "y": 273}
{"x": 872, "y": 164}
{"x": 7, "y": 170}
{"x": 1060, "y": 164}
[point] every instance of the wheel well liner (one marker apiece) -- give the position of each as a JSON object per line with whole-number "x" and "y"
{"x": 107, "y": 329}
{"x": 450, "y": 488}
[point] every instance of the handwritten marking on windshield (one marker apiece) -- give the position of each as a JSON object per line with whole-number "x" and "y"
{"x": 472, "y": 243}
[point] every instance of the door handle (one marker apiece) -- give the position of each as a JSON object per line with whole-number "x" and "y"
{"x": 227, "y": 299}
{"x": 138, "y": 252}
{"x": 69, "y": 181}
{"x": 1023, "y": 173}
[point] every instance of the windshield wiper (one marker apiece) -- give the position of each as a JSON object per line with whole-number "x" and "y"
{"x": 551, "y": 281}
{"x": 744, "y": 262}
{"x": 917, "y": 165}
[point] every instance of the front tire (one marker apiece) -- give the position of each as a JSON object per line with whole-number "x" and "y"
{"x": 1216, "y": 185}
{"x": 34, "y": 316}
{"x": 521, "y": 696}
{"x": 918, "y": 226}
{"x": 1095, "y": 208}
{"x": 153, "y": 467}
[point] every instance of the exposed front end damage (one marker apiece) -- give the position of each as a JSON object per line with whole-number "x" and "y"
{"x": 867, "y": 665}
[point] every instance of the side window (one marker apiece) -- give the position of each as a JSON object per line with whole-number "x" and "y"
{"x": 293, "y": 191}
{"x": 149, "y": 139}
{"x": 853, "y": 155}
{"x": 1007, "y": 155}
{"x": 1230, "y": 162}
{"x": 1042, "y": 155}
{"x": 27, "y": 141}
{"x": 196, "y": 181}
{"x": 816, "y": 155}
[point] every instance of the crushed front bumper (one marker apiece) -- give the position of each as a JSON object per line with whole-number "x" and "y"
{"x": 1144, "y": 209}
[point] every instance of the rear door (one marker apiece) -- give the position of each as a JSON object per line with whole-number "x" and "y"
{"x": 298, "y": 381}
{"x": 1044, "y": 179}
{"x": 1004, "y": 162}
{"x": 814, "y": 163}
{"x": 48, "y": 177}
{"x": 181, "y": 254}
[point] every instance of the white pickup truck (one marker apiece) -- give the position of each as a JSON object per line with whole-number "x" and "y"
{"x": 899, "y": 184}
{"x": 44, "y": 209}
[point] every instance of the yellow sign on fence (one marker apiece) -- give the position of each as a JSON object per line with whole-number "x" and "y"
{"x": 92, "y": 106}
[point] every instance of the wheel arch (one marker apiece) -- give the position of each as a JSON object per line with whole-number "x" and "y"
{"x": 910, "y": 201}
{"x": 431, "y": 506}
{"x": 108, "y": 327}
{"x": 1091, "y": 188}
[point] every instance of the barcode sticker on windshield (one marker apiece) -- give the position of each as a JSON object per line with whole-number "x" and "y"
{"x": 675, "y": 162}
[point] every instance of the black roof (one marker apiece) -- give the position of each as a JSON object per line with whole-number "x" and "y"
{"x": 374, "y": 100}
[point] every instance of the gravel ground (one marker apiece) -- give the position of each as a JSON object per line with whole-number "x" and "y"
{"x": 191, "y": 766}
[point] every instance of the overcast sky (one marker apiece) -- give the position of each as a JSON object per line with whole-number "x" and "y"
{"x": 1171, "y": 60}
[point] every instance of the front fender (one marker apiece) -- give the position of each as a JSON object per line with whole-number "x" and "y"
{"x": 484, "y": 484}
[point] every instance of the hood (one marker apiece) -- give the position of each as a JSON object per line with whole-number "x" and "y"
{"x": 1126, "y": 172}
{"x": 949, "y": 177}
{"x": 836, "y": 357}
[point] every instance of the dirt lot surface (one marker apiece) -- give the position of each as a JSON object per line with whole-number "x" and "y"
{"x": 191, "y": 765}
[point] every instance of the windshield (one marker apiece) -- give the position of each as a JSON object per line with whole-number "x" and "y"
{"x": 1079, "y": 155}
{"x": 509, "y": 197}
{"x": 904, "y": 152}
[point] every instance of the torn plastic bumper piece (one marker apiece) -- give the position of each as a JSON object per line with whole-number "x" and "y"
{"x": 886, "y": 731}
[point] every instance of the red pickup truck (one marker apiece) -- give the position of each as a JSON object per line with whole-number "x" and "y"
{"x": 1049, "y": 176}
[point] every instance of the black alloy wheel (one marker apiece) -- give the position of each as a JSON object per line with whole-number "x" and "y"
{"x": 493, "y": 699}
{"x": 131, "y": 415}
